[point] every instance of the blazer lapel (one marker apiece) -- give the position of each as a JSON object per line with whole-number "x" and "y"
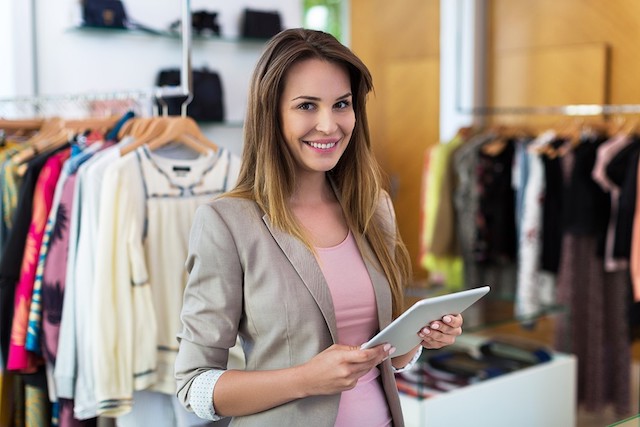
{"x": 309, "y": 271}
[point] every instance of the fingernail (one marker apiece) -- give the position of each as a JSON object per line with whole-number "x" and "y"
{"x": 387, "y": 347}
{"x": 392, "y": 350}
{"x": 426, "y": 331}
{"x": 447, "y": 319}
{"x": 435, "y": 326}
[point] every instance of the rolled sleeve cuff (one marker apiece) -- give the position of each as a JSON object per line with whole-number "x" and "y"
{"x": 411, "y": 362}
{"x": 201, "y": 394}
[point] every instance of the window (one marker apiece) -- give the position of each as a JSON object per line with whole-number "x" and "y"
{"x": 324, "y": 15}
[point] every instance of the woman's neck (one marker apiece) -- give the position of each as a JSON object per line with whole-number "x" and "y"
{"x": 318, "y": 210}
{"x": 312, "y": 189}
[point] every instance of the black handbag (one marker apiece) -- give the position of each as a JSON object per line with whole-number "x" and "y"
{"x": 260, "y": 24}
{"x": 207, "y": 104}
{"x": 104, "y": 14}
{"x": 202, "y": 23}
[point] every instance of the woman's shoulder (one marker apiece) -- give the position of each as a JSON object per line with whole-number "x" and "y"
{"x": 230, "y": 206}
{"x": 385, "y": 204}
{"x": 385, "y": 212}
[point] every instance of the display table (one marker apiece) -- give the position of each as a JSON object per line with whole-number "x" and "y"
{"x": 542, "y": 395}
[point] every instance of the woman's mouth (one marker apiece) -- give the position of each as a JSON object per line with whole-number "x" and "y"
{"x": 322, "y": 145}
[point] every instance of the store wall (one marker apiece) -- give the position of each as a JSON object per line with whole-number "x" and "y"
{"x": 16, "y": 41}
{"x": 401, "y": 46}
{"x": 563, "y": 52}
{"x": 71, "y": 61}
{"x": 67, "y": 61}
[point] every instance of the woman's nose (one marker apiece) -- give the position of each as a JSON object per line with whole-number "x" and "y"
{"x": 326, "y": 122}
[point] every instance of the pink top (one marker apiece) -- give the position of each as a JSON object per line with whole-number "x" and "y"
{"x": 354, "y": 303}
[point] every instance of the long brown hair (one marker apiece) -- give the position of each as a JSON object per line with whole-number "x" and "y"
{"x": 267, "y": 174}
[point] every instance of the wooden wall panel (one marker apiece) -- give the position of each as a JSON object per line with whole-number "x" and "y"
{"x": 412, "y": 101}
{"x": 575, "y": 74}
{"x": 525, "y": 24}
{"x": 400, "y": 44}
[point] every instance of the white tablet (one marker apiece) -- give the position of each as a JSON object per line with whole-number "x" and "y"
{"x": 402, "y": 333}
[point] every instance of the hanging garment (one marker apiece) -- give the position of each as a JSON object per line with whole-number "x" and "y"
{"x": 74, "y": 363}
{"x": 590, "y": 296}
{"x": 606, "y": 152}
{"x": 626, "y": 163}
{"x": 147, "y": 207}
{"x": 9, "y": 188}
{"x": 18, "y": 358}
{"x": 11, "y": 260}
{"x": 34, "y": 329}
{"x": 535, "y": 288}
{"x": 465, "y": 200}
{"x": 634, "y": 258}
{"x": 442, "y": 253}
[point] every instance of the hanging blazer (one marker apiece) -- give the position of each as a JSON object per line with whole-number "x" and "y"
{"x": 250, "y": 279}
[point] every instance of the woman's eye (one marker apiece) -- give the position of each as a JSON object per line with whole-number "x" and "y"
{"x": 306, "y": 106}
{"x": 342, "y": 105}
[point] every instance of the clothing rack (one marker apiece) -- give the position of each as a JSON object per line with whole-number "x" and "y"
{"x": 185, "y": 88}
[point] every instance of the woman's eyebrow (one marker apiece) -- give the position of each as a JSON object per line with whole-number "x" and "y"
{"x": 315, "y": 98}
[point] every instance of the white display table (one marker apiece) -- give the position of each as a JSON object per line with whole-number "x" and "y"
{"x": 539, "y": 396}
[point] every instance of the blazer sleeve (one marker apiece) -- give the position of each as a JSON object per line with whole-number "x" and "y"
{"x": 213, "y": 300}
{"x": 387, "y": 218}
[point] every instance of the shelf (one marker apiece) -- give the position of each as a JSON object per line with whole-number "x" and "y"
{"x": 165, "y": 34}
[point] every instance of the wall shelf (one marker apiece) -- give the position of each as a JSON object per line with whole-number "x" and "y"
{"x": 164, "y": 34}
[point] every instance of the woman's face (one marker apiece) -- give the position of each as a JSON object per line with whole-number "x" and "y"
{"x": 316, "y": 109}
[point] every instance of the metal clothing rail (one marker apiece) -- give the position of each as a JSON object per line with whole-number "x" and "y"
{"x": 558, "y": 110}
{"x": 185, "y": 88}
{"x": 164, "y": 91}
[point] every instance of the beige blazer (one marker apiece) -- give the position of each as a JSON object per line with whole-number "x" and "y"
{"x": 249, "y": 279}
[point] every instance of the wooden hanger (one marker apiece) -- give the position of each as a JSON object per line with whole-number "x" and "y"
{"x": 189, "y": 126}
{"x": 48, "y": 135}
{"x": 184, "y": 130}
{"x": 14, "y": 125}
{"x": 126, "y": 127}
{"x": 20, "y": 128}
{"x": 631, "y": 127}
{"x": 502, "y": 136}
{"x": 101, "y": 124}
{"x": 155, "y": 128}
{"x": 134, "y": 127}
{"x": 176, "y": 129}
{"x": 144, "y": 131}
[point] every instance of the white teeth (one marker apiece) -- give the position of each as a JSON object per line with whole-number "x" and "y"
{"x": 322, "y": 146}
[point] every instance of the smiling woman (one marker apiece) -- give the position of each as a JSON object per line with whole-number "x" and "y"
{"x": 310, "y": 230}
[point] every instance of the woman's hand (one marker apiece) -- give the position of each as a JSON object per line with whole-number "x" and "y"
{"x": 441, "y": 333}
{"x": 339, "y": 367}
